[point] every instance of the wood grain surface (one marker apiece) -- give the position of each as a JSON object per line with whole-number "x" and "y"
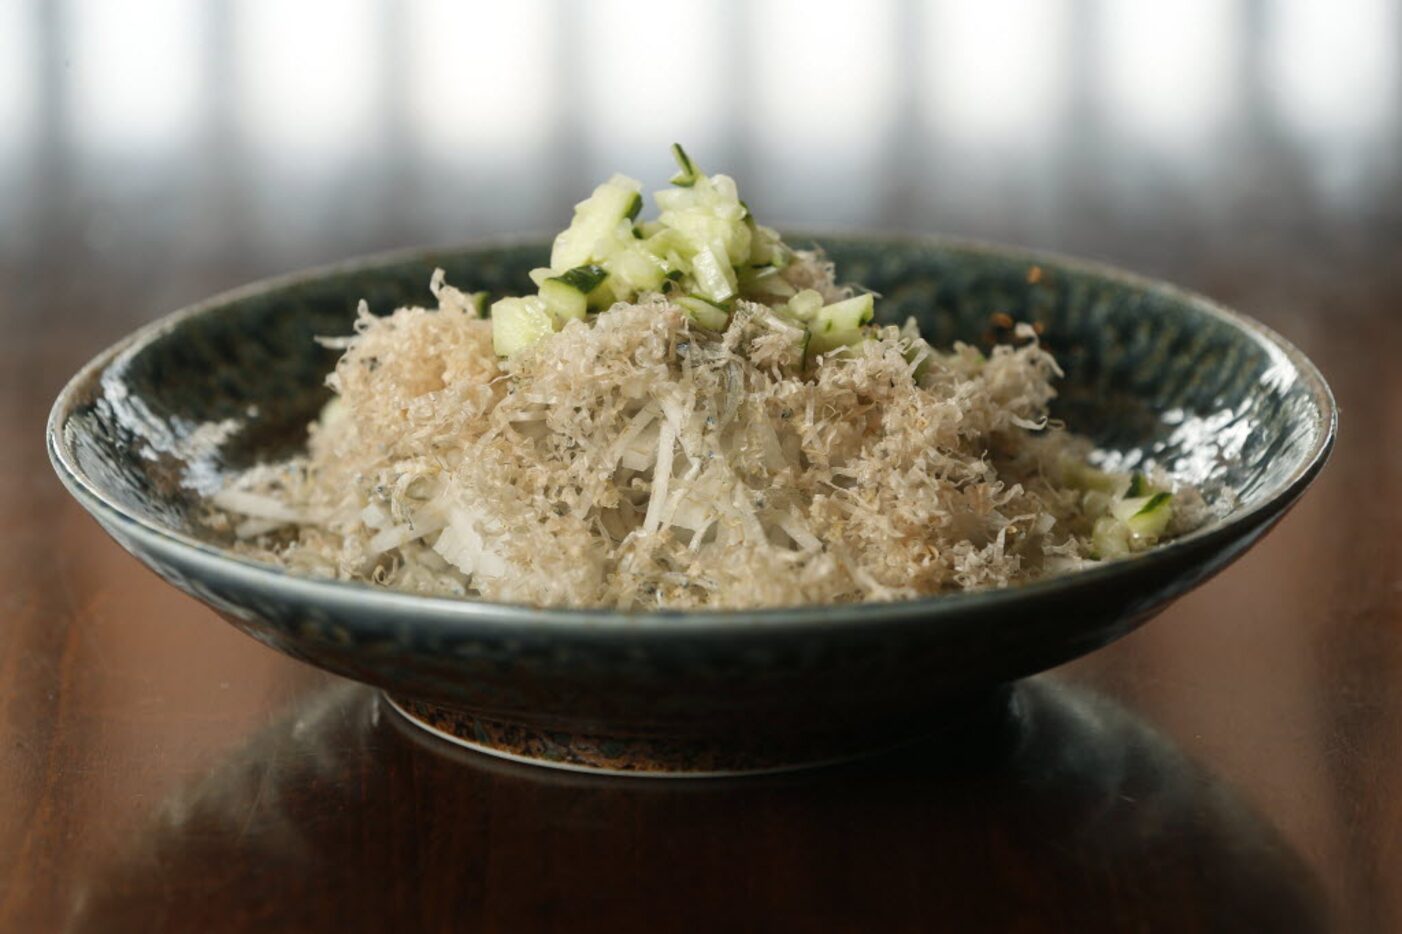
{"x": 1236, "y": 765}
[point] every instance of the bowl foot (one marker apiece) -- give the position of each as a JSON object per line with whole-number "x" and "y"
{"x": 698, "y": 757}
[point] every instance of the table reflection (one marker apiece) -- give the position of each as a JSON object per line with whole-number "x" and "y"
{"x": 1077, "y": 814}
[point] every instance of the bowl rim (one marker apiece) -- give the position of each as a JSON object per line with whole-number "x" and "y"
{"x": 393, "y": 604}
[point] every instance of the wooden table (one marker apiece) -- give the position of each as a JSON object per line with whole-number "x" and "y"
{"x": 1236, "y": 765}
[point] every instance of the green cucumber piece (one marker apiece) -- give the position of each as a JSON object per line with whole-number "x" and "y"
{"x": 1109, "y": 538}
{"x": 687, "y": 173}
{"x": 913, "y": 351}
{"x": 1151, "y": 518}
{"x": 518, "y": 323}
{"x": 597, "y": 220}
{"x": 670, "y": 248}
{"x": 840, "y": 324}
{"x": 765, "y": 281}
{"x": 605, "y": 294}
{"x": 805, "y": 305}
{"x": 636, "y": 270}
{"x": 715, "y": 277}
{"x": 563, "y": 301}
{"x": 704, "y": 312}
{"x": 766, "y": 248}
{"x": 567, "y": 295}
{"x": 709, "y": 216}
{"x": 583, "y": 279}
{"x": 1096, "y": 503}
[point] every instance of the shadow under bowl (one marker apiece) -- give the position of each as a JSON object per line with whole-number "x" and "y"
{"x": 1153, "y": 374}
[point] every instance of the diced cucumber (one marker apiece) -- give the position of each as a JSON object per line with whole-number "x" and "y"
{"x": 583, "y": 279}
{"x": 715, "y": 277}
{"x": 701, "y": 230}
{"x": 840, "y": 324}
{"x": 605, "y": 295}
{"x": 566, "y": 296}
{"x": 914, "y": 352}
{"x": 563, "y": 301}
{"x": 598, "y": 218}
{"x": 765, "y": 281}
{"x": 766, "y": 248}
{"x": 1145, "y": 517}
{"x": 805, "y": 305}
{"x": 1128, "y": 506}
{"x": 636, "y": 269}
{"x": 1096, "y": 503}
{"x": 1132, "y": 523}
{"x": 1110, "y": 538}
{"x": 671, "y": 249}
{"x": 707, "y": 314}
{"x": 1138, "y": 486}
{"x": 708, "y": 215}
{"x": 518, "y": 323}
{"x": 687, "y": 173}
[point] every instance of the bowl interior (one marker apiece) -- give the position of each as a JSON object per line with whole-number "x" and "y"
{"x": 1152, "y": 374}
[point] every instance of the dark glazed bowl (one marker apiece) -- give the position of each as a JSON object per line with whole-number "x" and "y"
{"x": 1151, "y": 372}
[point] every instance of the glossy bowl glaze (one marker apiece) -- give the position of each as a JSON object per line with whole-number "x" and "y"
{"x": 1152, "y": 373}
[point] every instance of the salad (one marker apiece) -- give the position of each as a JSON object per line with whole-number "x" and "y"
{"x": 686, "y": 411}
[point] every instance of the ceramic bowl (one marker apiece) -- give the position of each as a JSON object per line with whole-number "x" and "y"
{"x": 1151, "y": 372}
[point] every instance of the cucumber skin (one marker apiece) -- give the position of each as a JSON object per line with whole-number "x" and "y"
{"x": 1133, "y": 523}
{"x": 1151, "y": 520}
{"x": 583, "y": 279}
{"x": 686, "y": 169}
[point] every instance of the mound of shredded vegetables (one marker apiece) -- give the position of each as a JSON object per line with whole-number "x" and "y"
{"x": 677, "y": 446}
